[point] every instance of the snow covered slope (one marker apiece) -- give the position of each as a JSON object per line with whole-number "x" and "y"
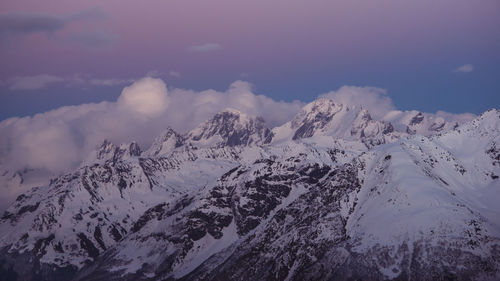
{"x": 415, "y": 122}
{"x": 230, "y": 128}
{"x": 323, "y": 117}
{"x": 330, "y": 195}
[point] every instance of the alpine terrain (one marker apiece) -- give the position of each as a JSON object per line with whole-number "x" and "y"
{"x": 333, "y": 194}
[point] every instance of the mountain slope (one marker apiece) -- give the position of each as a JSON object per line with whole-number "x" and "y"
{"x": 331, "y": 195}
{"x": 230, "y": 128}
{"x": 409, "y": 217}
{"x": 324, "y": 117}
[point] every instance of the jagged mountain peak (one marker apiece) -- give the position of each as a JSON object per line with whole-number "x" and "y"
{"x": 127, "y": 150}
{"x": 110, "y": 151}
{"x": 209, "y": 213}
{"x": 233, "y": 111}
{"x": 316, "y": 116}
{"x": 417, "y": 119}
{"x": 492, "y": 114}
{"x": 229, "y": 127}
{"x": 488, "y": 120}
{"x": 105, "y": 150}
{"x": 165, "y": 143}
{"x": 325, "y": 117}
{"x": 321, "y": 105}
{"x": 235, "y": 116}
{"x": 232, "y": 128}
{"x": 487, "y": 123}
{"x": 416, "y": 122}
{"x": 319, "y": 111}
{"x": 468, "y": 136}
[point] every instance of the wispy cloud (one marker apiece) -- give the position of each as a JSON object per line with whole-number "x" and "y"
{"x": 25, "y": 23}
{"x": 156, "y": 73}
{"x": 207, "y": 47}
{"x": 94, "y": 13}
{"x": 17, "y": 24}
{"x": 164, "y": 75}
{"x": 36, "y": 82}
{"x": 375, "y": 100}
{"x": 466, "y": 68}
{"x": 110, "y": 82}
{"x": 67, "y": 135}
{"x": 96, "y": 38}
{"x": 33, "y": 82}
{"x": 174, "y": 74}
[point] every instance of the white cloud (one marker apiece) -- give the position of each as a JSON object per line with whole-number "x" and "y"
{"x": 110, "y": 81}
{"x": 466, "y": 68}
{"x": 375, "y": 100}
{"x": 188, "y": 108}
{"x": 453, "y": 117}
{"x": 207, "y": 47}
{"x": 33, "y": 82}
{"x": 52, "y": 150}
{"x": 60, "y": 139}
{"x": 148, "y": 97}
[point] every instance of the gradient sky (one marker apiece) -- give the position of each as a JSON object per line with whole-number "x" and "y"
{"x": 429, "y": 55}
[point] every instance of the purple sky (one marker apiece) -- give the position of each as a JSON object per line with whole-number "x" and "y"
{"x": 429, "y": 55}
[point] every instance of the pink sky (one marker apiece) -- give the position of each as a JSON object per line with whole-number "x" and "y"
{"x": 272, "y": 42}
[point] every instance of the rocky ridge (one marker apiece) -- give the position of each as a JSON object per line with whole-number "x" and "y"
{"x": 304, "y": 201}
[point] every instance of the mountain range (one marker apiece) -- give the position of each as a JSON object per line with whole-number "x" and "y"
{"x": 333, "y": 194}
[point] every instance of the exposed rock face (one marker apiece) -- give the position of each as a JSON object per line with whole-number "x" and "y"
{"x": 166, "y": 143}
{"x": 324, "y": 200}
{"x": 415, "y": 122}
{"x": 417, "y": 119}
{"x": 324, "y": 117}
{"x": 109, "y": 151}
{"x": 231, "y": 128}
{"x": 315, "y": 116}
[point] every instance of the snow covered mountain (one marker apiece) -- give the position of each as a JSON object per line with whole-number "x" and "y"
{"x": 230, "y": 128}
{"x": 330, "y": 195}
{"x": 324, "y": 117}
{"x": 415, "y": 122}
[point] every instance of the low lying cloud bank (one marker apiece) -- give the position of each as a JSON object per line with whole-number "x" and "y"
{"x": 58, "y": 140}
{"x": 380, "y": 105}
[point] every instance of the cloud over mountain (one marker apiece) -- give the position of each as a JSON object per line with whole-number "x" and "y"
{"x": 375, "y": 100}
{"x": 60, "y": 139}
{"x": 147, "y": 97}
